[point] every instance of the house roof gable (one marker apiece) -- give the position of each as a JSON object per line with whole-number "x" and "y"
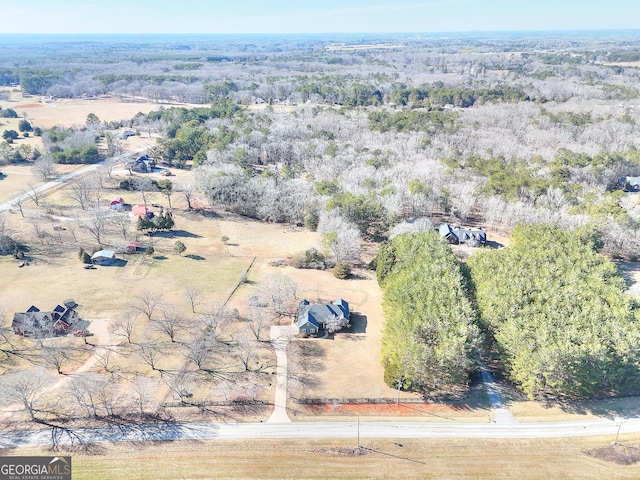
{"x": 321, "y": 313}
{"x": 103, "y": 254}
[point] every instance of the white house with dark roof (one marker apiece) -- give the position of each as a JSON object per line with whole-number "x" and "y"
{"x": 315, "y": 316}
{"x": 103, "y": 257}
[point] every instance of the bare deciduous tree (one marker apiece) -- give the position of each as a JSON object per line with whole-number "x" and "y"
{"x": 146, "y": 187}
{"x": 17, "y": 202}
{"x": 146, "y": 303}
{"x": 91, "y": 391}
{"x": 80, "y": 192}
{"x": 339, "y": 238}
{"x": 25, "y": 388}
{"x": 151, "y": 353}
{"x": 246, "y": 350}
{"x": 55, "y": 356}
{"x": 170, "y": 322}
{"x": 141, "y": 394}
{"x": 188, "y": 190}
{"x": 198, "y": 352}
{"x": 259, "y": 322}
{"x": 105, "y": 361}
{"x": 123, "y": 224}
{"x": 45, "y": 168}
{"x": 123, "y": 327}
{"x": 216, "y": 323}
{"x": 95, "y": 224}
{"x": 281, "y": 292}
{"x": 34, "y": 194}
{"x": 193, "y": 295}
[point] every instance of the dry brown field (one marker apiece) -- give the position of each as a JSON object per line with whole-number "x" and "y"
{"x": 326, "y": 458}
{"x": 106, "y": 294}
{"x": 46, "y": 113}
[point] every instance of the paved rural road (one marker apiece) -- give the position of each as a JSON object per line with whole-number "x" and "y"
{"x": 64, "y": 178}
{"x": 201, "y": 431}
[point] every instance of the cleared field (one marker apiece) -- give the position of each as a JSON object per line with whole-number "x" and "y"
{"x": 317, "y": 458}
{"x": 21, "y": 178}
{"x": 17, "y": 180}
{"x": 68, "y": 112}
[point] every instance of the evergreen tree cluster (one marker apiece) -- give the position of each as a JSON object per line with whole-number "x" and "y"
{"x": 558, "y": 314}
{"x": 162, "y": 221}
{"x": 431, "y": 337}
{"x": 553, "y": 310}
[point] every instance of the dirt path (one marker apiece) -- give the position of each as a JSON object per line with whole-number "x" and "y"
{"x": 500, "y": 413}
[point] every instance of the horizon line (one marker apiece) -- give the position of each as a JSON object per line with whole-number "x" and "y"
{"x": 336, "y": 32}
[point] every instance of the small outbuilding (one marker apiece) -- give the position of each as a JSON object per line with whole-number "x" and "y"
{"x": 133, "y": 247}
{"x": 103, "y": 257}
{"x": 117, "y": 203}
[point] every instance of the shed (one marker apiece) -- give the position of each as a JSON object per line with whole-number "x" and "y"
{"x": 103, "y": 257}
{"x": 117, "y": 203}
{"x": 132, "y": 247}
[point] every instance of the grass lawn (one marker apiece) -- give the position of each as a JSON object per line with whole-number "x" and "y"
{"x": 329, "y": 458}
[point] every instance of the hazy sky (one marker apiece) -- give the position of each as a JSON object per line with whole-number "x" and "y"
{"x": 308, "y": 16}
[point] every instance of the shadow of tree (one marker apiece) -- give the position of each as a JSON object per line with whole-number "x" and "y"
{"x": 195, "y": 257}
{"x": 627, "y": 271}
{"x": 176, "y": 234}
{"x": 609, "y": 407}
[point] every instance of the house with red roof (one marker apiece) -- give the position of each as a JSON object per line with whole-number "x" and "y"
{"x": 117, "y": 203}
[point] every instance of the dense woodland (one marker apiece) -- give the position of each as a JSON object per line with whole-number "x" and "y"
{"x": 494, "y": 130}
{"x": 431, "y": 340}
{"x": 550, "y": 310}
{"x": 362, "y": 144}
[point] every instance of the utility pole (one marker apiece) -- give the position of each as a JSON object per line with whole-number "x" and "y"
{"x": 614, "y": 443}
